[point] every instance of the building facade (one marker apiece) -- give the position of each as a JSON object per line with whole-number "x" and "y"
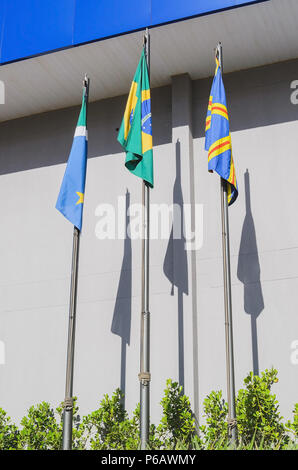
{"x": 38, "y": 117}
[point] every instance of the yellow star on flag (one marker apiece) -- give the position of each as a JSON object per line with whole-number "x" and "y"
{"x": 81, "y": 198}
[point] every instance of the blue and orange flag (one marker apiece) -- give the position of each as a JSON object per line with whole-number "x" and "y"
{"x": 218, "y": 139}
{"x": 71, "y": 196}
{"x": 135, "y": 134}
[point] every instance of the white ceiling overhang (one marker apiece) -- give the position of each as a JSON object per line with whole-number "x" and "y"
{"x": 251, "y": 36}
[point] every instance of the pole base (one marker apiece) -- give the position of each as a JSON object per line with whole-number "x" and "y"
{"x": 67, "y": 424}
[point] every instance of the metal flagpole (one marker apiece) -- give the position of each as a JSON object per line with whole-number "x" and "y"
{"x": 232, "y": 430}
{"x": 68, "y": 401}
{"x": 144, "y": 375}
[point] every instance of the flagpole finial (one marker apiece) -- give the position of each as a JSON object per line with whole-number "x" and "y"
{"x": 146, "y": 36}
{"x": 86, "y": 81}
{"x": 217, "y": 49}
{"x": 218, "y": 54}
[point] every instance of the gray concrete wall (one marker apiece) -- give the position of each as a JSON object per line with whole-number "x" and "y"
{"x": 187, "y": 326}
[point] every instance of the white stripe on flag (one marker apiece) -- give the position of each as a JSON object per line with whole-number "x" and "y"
{"x": 81, "y": 131}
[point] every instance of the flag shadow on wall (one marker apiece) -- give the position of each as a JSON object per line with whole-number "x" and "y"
{"x": 175, "y": 262}
{"x": 249, "y": 272}
{"x": 121, "y": 323}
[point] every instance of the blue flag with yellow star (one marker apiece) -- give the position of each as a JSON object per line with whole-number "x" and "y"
{"x": 71, "y": 197}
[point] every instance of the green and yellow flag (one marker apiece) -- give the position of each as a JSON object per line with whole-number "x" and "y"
{"x": 135, "y": 134}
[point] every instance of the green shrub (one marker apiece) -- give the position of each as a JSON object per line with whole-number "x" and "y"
{"x": 259, "y": 423}
{"x": 257, "y": 412}
{"x": 216, "y": 427}
{"x": 292, "y": 426}
{"x": 40, "y": 430}
{"x": 177, "y": 423}
{"x": 295, "y": 422}
{"x": 109, "y": 426}
{"x": 9, "y": 433}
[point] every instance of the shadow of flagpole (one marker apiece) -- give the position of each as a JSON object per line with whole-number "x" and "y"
{"x": 175, "y": 262}
{"x": 249, "y": 273}
{"x": 121, "y": 323}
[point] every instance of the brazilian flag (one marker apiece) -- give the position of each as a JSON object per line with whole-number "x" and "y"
{"x": 135, "y": 134}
